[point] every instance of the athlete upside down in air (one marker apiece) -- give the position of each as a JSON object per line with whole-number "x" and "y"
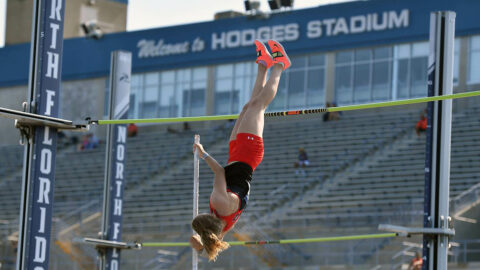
{"x": 231, "y": 185}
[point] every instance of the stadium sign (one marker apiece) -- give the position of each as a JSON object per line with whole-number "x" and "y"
{"x": 313, "y": 29}
{"x": 150, "y": 48}
{"x": 358, "y": 24}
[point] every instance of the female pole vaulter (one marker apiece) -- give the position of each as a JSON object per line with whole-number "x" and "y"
{"x": 232, "y": 183}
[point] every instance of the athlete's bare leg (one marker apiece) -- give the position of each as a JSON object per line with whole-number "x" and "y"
{"x": 257, "y": 88}
{"x": 253, "y": 118}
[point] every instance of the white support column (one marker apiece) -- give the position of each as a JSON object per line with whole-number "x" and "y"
{"x": 446, "y": 131}
{"x": 196, "y": 175}
{"x": 442, "y": 35}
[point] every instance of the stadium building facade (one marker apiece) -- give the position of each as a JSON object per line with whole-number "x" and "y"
{"x": 354, "y": 52}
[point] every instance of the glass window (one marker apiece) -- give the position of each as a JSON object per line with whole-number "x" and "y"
{"x": 382, "y": 53}
{"x": 193, "y": 92}
{"x": 229, "y": 83}
{"x": 136, "y": 81}
{"x": 475, "y": 42}
{"x": 151, "y": 93}
{"x": 240, "y": 86}
{"x": 363, "y": 55}
{"x": 149, "y": 102}
{"x": 193, "y": 102}
{"x": 240, "y": 69}
{"x": 168, "y": 93}
{"x": 410, "y": 70}
{"x": 403, "y": 51}
{"x": 474, "y": 60}
{"x": 344, "y": 57}
{"x": 316, "y": 60}
{"x": 199, "y": 74}
{"x": 167, "y": 106}
{"x": 420, "y": 49}
{"x": 183, "y": 75}
{"x": 225, "y": 102}
{"x": 197, "y": 102}
{"x": 136, "y": 95}
{"x": 186, "y": 102}
{"x": 366, "y": 77}
{"x": 361, "y": 82}
{"x": 279, "y": 101}
{"x": 419, "y": 76}
{"x": 315, "y": 87}
{"x": 234, "y": 84}
{"x": 149, "y": 109}
{"x": 168, "y": 77}
{"x": 235, "y": 101}
{"x": 223, "y": 90}
{"x": 419, "y": 65}
{"x": 381, "y": 81}
{"x": 343, "y": 84}
{"x": 456, "y": 61}
{"x": 224, "y": 85}
{"x": 301, "y": 86}
{"x": 151, "y": 79}
{"x": 224, "y": 71}
{"x": 132, "y": 109}
{"x": 299, "y": 61}
{"x": 296, "y": 89}
{"x": 403, "y": 86}
{"x": 474, "y": 68}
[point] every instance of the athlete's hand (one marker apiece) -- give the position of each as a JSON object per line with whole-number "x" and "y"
{"x": 201, "y": 151}
{"x": 196, "y": 243}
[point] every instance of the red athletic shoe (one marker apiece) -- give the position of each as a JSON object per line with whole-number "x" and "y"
{"x": 263, "y": 56}
{"x": 279, "y": 54}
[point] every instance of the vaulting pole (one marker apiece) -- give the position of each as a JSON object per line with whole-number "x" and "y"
{"x": 196, "y": 175}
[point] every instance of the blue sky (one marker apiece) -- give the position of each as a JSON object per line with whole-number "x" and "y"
{"x": 153, "y": 13}
{"x": 144, "y": 14}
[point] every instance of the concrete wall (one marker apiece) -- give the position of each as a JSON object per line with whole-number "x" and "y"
{"x": 78, "y": 100}
{"x": 82, "y": 98}
{"x": 12, "y": 98}
{"x": 111, "y": 16}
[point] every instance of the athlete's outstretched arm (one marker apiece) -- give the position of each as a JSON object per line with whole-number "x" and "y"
{"x": 219, "y": 184}
{"x": 212, "y": 163}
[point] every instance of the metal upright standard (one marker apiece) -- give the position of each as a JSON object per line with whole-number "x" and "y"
{"x": 25, "y": 120}
{"x": 437, "y": 165}
{"x": 36, "y": 205}
{"x": 196, "y": 176}
{"x": 120, "y": 74}
{"x": 436, "y": 227}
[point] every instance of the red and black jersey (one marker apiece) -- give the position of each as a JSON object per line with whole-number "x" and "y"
{"x": 238, "y": 176}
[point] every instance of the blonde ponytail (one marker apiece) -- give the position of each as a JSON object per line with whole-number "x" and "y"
{"x": 209, "y": 228}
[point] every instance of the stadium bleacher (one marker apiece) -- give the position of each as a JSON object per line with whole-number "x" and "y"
{"x": 365, "y": 169}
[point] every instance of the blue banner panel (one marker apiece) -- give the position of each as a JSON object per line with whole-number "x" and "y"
{"x": 427, "y": 222}
{"x": 48, "y": 79}
{"x": 120, "y": 99}
{"x": 117, "y": 185}
{"x": 431, "y": 84}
